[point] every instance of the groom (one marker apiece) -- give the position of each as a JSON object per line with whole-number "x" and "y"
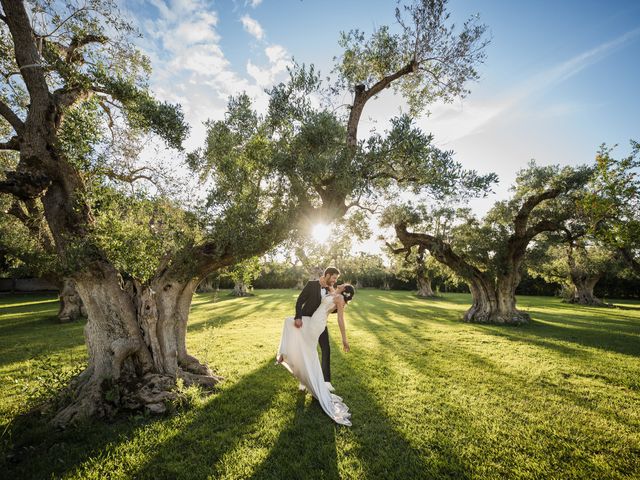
{"x": 307, "y": 303}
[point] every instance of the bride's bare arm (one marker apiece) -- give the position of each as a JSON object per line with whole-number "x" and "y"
{"x": 339, "y": 301}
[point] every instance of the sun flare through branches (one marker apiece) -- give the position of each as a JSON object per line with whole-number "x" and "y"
{"x": 321, "y": 232}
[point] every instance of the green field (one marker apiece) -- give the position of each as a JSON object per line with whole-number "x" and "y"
{"x": 431, "y": 397}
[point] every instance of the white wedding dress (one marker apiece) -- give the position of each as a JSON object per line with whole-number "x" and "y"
{"x": 298, "y": 347}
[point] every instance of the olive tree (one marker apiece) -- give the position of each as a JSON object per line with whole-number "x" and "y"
{"x": 612, "y": 203}
{"x": 417, "y": 263}
{"x": 75, "y": 102}
{"x": 488, "y": 254}
{"x": 574, "y": 259}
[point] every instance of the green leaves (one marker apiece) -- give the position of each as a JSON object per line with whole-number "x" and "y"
{"x": 245, "y": 272}
{"x": 407, "y": 158}
{"x": 144, "y": 112}
{"x": 366, "y": 61}
{"x": 80, "y": 132}
{"x": 290, "y": 102}
{"x": 442, "y": 61}
{"x": 543, "y": 198}
{"x": 136, "y": 233}
{"x": 612, "y": 200}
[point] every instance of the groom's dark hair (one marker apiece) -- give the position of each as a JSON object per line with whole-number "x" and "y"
{"x": 331, "y": 271}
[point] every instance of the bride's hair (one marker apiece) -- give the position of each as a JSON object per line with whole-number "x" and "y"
{"x": 348, "y": 293}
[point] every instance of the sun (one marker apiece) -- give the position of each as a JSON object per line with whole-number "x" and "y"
{"x": 321, "y": 232}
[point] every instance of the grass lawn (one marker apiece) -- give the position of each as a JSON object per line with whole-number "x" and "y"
{"x": 431, "y": 397}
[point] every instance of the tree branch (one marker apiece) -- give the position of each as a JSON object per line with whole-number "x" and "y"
{"x": 66, "y": 97}
{"x": 24, "y": 186}
{"x": 396, "y": 251}
{"x": 362, "y": 95}
{"x": 34, "y": 221}
{"x": 441, "y": 251}
{"x": 131, "y": 176}
{"x": 386, "y": 81}
{"x": 79, "y": 42}
{"x": 11, "y": 117}
{"x": 26, "y": 51}
{"x": 520, "y": 222}
{"x": 357, "y": 203}
{"x": 542, "y": 226}
{"x": 73, "y": 14}
{"x": 11, "y": 144}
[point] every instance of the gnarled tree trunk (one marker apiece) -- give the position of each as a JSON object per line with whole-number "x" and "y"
{"x": 136, "y": 340}
{"x": 485, "y": 302}
{"x": 135, "y": 334}
{"x": 583, "y": 285}
{"x": 71, "y": 306}
{"x": 240, "y": 289}
{"x": 494, "y": 302}
{"x": 424, "y": 283}
{"x": 423, "y": 280}
{"x": 494, "y": 299}
{"x": 424, "y": 287}
{"x": 583, "y": 282}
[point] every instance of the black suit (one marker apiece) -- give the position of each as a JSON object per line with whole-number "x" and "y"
{"x": 307, "y": 303}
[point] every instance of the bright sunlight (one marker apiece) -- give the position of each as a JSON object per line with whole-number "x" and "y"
{"x": 321, "y": 232}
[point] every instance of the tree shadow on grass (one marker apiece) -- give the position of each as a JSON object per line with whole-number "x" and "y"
{"x": 306, "y": 448}
{"x": 34, "y": 449}
{"x": 508, "y": 389}
{"x": 31, "y": 331}
{"x": 216, "y": 428}
{"x": 313, "y": 446}
{"x": 562, "y": 335}
{"x": 626, "y": 307}
{"x": 381, "y": 449}
{"x": 221, "y": 315}
{"x": 548, "y": 330}
{"x": 208, "y": 432}
{"x": 20, "y": 311}
{"x": 549, "y": 334}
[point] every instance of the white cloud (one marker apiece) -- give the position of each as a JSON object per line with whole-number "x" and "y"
{"x": 260, "y": 75}
{"x": 276, "y": 53}
{"x": 252, "y": 26}
{"x": 255, "y": 3}
{"x": 190, "y": 67}
{"x": 278, "y": 61}
{"x": 197, "y": 31}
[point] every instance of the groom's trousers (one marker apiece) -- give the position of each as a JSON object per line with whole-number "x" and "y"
{"x": 323, "y": 341}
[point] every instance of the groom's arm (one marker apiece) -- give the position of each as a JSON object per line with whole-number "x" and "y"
{"x": 302, "y": 298}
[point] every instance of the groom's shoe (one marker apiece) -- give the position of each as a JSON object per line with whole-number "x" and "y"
{"x": 301, "y": 387}
{"x": 329, "y": 386}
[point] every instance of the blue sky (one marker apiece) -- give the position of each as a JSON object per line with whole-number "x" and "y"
{"x": 560, "y": 77}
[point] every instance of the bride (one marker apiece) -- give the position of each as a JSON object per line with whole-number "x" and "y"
{"x": 298, "y": 354}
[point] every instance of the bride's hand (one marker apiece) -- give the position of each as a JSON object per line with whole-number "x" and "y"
{"x": 345, "y": 346}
